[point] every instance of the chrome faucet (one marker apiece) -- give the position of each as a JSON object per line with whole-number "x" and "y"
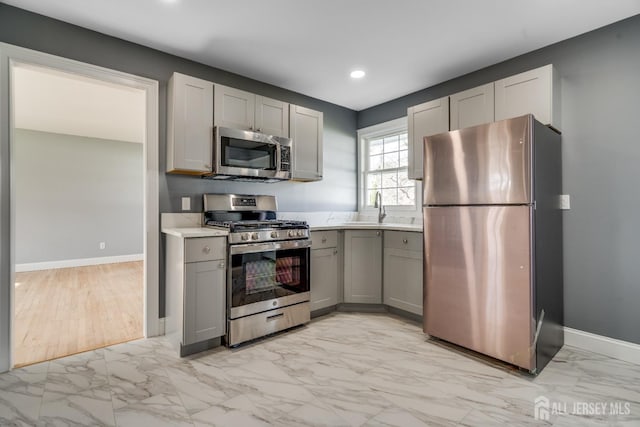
{"x": 378, "y": 204}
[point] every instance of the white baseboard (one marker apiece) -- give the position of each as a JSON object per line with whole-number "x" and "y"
{"x": 617, "y": 349}
{"x": 67, "y": 263}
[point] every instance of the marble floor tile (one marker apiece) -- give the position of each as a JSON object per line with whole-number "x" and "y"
{"x": 21, "y": 393}
{"x": 78, "y": 407}
{"x": 218, "y": 416}
{"x": 396, "y": 418}
{"x": 343, "y": 369}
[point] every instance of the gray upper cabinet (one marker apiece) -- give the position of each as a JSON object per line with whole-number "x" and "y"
{"x": 536, "y": 91}
{"x": 234, "y": 108}
{"x": 363, "y": 266}
{"x": 272, "y": 116}
{"x": 423, "y": 120}
{"x": 239, "y": 109}
{"x": 472, "y": 107}
{"x": 189, "y": 125}
{"x": 306, "y": 128}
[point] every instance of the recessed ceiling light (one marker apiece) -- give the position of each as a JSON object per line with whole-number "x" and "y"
{"x": 357, "y": 74}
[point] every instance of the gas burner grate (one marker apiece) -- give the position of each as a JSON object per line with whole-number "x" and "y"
{"x": 257, "y": 224}
{"x": 224, "y": 224}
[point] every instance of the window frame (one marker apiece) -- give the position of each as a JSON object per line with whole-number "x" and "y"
{"x": 399, "y": 125}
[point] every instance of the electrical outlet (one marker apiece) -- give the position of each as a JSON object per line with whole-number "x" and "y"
{"x": 103, "y": 245}
{"x": 186, "y": 203}
{"x": 565, "y": 202}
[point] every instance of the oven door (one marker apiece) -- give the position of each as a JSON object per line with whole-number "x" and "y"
{"x": 264, "y": 276}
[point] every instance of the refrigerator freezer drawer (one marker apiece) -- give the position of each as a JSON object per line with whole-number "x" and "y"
{"x": 488, "y": 164}
{"x": 478, "y": 291}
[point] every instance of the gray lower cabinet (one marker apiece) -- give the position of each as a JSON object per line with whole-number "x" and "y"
{"x": 324, "y": 269}
{"x": 363, "y": 266}
{"x": 204, "y": 290}
{"x": 403, "y": 270}
{"x": 195, "y": 290}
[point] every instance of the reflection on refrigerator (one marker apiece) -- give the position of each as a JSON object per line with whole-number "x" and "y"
{"x": 493, "y": 240}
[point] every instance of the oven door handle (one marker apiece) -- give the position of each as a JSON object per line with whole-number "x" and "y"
{"x": 269, "y": 246}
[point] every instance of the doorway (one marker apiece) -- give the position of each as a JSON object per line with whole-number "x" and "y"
{"x": 12, "y": 59}
{"x": 78, "y": 201}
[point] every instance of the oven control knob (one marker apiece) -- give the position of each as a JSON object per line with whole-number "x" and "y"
{"x": 274, "y": 234}
{"x": 254, "y": 236}
{"x": 300, "y": 233}
{"x": 291, "y": 233}
{"x": 244, "y": 236}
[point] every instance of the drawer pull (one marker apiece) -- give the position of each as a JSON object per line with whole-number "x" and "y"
{"x": 405, "y": 241}
{"x": 274, "y": 317}
{"x": 377, "y": 233}
{"x": 206, "y": 249}
{"x": 324, "y": 240}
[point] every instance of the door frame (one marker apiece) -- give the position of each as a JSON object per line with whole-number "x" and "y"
{"x": 11, "y": 56}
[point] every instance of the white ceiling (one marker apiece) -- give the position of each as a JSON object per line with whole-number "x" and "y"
{"x": 52, "y": 101}
{"x": 310, "y": 46}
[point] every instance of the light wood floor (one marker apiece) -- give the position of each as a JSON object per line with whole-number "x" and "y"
{"x": 71, "y": 310}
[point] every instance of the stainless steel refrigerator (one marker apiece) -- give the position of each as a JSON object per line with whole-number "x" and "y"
{"x": 493, "y": 240}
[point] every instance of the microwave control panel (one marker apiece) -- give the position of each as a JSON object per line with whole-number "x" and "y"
{"x": 285, "y": 158}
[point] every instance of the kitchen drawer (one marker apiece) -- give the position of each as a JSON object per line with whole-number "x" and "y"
{"x": 324, "y": 239}
{"x": 268, "y": 322}
{"x": 204, "y": 248}
{"x": 407, "y": 240}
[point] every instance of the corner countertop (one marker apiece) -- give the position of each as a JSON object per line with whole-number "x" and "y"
{"x": 358, "y": 225}
{"x": 186, "y": 232}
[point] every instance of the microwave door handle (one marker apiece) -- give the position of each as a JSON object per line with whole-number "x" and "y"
{"x": 278, "y": 157}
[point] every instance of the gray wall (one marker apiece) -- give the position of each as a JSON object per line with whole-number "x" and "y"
{"x": 336, "y": 192}
{"x": 73, "y": 192}
{"x": 600, "y": 81}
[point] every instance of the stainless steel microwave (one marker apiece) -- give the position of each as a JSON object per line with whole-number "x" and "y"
{"x": 250, "y": 155}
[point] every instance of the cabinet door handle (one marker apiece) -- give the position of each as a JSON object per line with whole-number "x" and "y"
{"x": 259, "y": 130}
{"x": 405, "y": 241}
{"x": 221, "y": 265}
{"x": 377, "y": 233}
{"x": 206, "y": 249}
{"x": 250, "y": 127}
{"x": 207, "y": 166}
{"x": 335, "y": 252}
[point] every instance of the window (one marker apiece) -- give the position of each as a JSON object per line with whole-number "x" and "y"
{"x": 383, "y": 167}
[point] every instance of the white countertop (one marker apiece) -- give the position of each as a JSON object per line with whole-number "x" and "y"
{"x": 195, "y": 232}
{"x": 186, "y": 232}
{"x": 368, "y": 226}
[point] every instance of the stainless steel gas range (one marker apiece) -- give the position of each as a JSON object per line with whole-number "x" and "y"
{"x": 268, "y": 269}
